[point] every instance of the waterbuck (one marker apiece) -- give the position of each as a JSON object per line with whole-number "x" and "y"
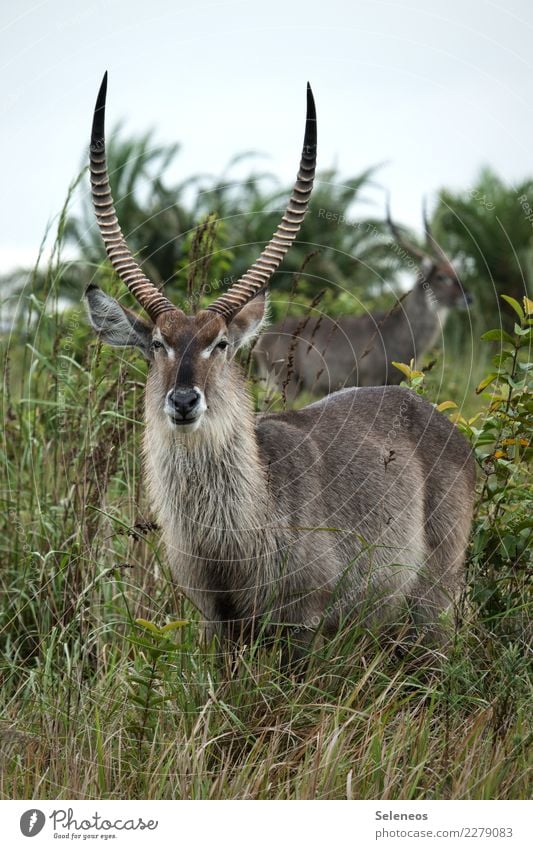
{"x": 358, "y": 505}
{"x": 322, "y": 354}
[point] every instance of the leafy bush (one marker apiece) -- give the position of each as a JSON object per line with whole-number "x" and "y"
{"x": 501, "y": 558}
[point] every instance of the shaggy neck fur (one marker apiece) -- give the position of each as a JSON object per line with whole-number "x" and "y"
{"x": 209, "y": 487}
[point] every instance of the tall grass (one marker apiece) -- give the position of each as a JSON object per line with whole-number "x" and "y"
{"x": 98, "y": 704}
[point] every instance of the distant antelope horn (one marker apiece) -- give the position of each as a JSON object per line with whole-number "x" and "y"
{"x": 258, "y": 275}
{"x": 432, "y": 244}
{"x": 397, "y": 235}
{"x": 145, "y": 292}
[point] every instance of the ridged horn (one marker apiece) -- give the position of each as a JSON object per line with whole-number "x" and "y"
{"x": 149, "y": 297}
{"x": 256, "y": 278}
{"x": 398, "y": 237}
{"x": 432, "y": 244}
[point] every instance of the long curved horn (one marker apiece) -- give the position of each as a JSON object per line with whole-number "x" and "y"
{"x": 397, "y": 235}
{"x": 256, "y": 278}
{"x": 432, "y": 244}
{"x": 117, "y": 250}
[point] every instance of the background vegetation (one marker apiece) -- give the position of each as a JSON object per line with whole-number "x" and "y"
{"x": 105, "y": 690}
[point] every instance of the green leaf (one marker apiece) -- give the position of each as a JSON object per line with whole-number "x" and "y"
{"x": 446, "y": 405}
{"x": 141, "y": 644}
{"x": 499, "y": 360}
{"x": 497, "y": 336}
{"x": 137, "y": 700}
{"x": 485, "y": 382}
{"x": 404, "y": 369}
{"x": 515, "y": 305}
{"x": 141, "y": 682}
{"x": 172, "y": 626}
{"x": 149, "y": 626}
{"x": 155, "y": 653}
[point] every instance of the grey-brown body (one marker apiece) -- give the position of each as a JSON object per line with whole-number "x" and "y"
{"x": 327, "y": 354}
{"x": 357, "y": 505}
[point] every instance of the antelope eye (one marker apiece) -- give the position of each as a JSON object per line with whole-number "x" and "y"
{"x": 223, "y": 344}
{"x": 156, "y": 345}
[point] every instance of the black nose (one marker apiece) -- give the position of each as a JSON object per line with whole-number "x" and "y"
{"x": 184, "y": 401}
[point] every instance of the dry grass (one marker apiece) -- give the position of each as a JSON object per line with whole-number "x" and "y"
{"x": 94, "y": 705}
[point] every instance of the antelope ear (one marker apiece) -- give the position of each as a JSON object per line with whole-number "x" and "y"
{"x": 115, "y": 324}
{"x": 248, "y": 322}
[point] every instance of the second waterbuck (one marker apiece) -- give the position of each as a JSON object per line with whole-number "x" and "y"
{"x": 358, "y": 506}
{"x": 320, "y": 354}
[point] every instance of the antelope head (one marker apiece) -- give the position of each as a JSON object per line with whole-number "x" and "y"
{"x": 436, "y": 275}
{"x": 189, "y": 355}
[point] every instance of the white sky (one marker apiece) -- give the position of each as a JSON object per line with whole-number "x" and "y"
{"x": 434, "y": 89}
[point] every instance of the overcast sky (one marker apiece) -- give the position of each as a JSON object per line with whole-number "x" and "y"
{"x": 432, "y": 88}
